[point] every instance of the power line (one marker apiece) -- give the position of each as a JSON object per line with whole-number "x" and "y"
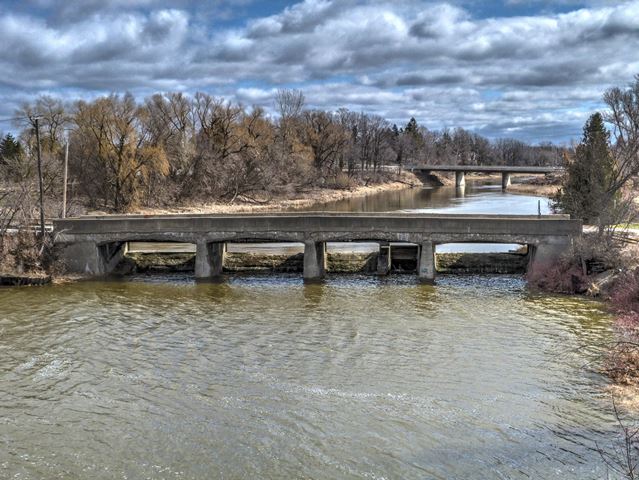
{"x": 13, "y": 119}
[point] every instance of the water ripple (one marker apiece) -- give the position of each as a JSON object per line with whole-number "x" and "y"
{"x": 263, "y": 376}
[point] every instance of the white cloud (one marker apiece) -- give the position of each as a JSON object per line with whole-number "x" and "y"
{"x": 432, "y": 60}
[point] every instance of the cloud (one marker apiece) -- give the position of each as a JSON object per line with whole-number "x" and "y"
{"x": 438, "y": 62}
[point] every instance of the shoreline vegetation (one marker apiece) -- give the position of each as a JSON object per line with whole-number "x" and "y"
{"x": 289, "y": 201}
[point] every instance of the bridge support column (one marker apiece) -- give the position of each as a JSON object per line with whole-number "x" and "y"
{"x": 505, "y": 180}
{"x": 314, "y": 261}
{"x": 384, "y": 259}
{"x": 460, "y": 179}
{"x": 209, "y": 259}
{"x": 426, "y": 265}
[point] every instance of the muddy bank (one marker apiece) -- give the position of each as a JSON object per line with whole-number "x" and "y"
{"x": 17, "y": 280}
{"x": 403, "y": 260}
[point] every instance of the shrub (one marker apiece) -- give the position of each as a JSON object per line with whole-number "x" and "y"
{"x": 23, "y": 254}
{"x": 589, "y": 255}
{"x": 625, "y": 296}
{"x": 623, "y": 361}
{"x": 562, "y": 277}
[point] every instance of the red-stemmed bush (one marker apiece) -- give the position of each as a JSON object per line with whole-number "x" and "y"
{"x": 561, "y": 277}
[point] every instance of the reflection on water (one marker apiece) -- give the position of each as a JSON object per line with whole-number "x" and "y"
{"x": 475, "y": 198}
{"x": 265, "y": 377}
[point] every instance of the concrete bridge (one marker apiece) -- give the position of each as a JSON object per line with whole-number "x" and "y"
{"x": 505, "y": 170}
{"x": 95, "y": 245}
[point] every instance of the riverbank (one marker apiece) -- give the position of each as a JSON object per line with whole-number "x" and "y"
{"x": 606, "y": 270}
{"x": 291, "y": 201}
{"x": 534, "y": 189}
{"x": 545, "y": 185}
{"x": 19, "y": 280}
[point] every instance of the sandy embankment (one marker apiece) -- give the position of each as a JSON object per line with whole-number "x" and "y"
{"x": 302, "y": 199}
{"x": 530, "y": 189}
{"x": 525, "y": 184}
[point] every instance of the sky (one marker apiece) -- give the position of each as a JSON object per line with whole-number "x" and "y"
{"x": 527, "y": 69}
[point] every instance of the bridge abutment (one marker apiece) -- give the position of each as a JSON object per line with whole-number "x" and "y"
{"x": 209, "y": 259}
{"x": 426, "y": 263}
{"x": 314, "y": 261}
{"x": 545, "y": 255}
{"x": 91, "y": 258}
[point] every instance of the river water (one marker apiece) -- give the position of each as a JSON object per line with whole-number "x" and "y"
{"x": 266, "y": 377}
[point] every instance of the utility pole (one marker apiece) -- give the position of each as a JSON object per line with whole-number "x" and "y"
{"x": 66, "y": 170}
{"x": 39, "y": 150}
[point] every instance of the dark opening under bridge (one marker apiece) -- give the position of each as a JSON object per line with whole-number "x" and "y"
{"x": 505, "y": 170}
{"x": 95, "y": 245}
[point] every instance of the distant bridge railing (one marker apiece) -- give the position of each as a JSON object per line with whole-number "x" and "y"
{"x": 505, "y": 170}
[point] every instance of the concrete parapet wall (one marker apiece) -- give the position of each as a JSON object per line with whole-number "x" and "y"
{"x": 413, "y": 228}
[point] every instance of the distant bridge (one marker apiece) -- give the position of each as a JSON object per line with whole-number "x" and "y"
{"x": 95, "y": 245}
{"x": 505, "y": 170}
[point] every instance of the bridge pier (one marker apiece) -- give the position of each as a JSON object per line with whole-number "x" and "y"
{"x": 209, "y": 259}
{"x": 505, "y": 180}
{"x": 314, "y": 261}
{"x": 460, "y": 179}
{"x": 384, "y": 259}
{"x": 426, "y": 265}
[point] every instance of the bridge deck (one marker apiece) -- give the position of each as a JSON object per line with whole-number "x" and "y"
{"x": 319, "y": 227}
{"x": 485, "y": 169}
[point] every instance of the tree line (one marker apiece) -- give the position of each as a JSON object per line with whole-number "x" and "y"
{"x": 600, "y": 175}
{"x": 172, "y": 148}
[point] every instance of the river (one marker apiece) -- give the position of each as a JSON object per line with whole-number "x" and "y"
{"x": 266, "y": 377}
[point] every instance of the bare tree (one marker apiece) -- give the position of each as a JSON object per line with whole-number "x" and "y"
{"x": 290, "y": 103}
{"x": 326, "y": 138}
{"x": 112, "y": 148}
{"x": 623, "y": 115}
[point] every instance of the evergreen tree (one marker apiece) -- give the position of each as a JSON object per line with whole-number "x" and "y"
{"x": 10, "y": 148}
{"x": 411, "y": 126}
{"x": 586, "y": 189}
